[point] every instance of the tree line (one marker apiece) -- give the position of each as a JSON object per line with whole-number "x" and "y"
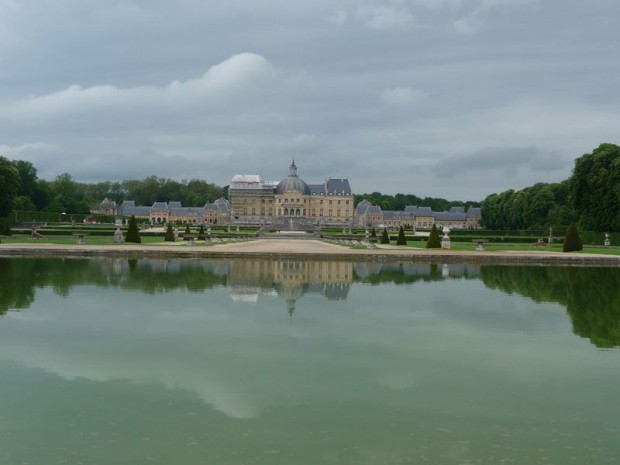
{"x": 398, "y": 202}
{"x": 591, "y": 196}
{"x": 22, "y": 189}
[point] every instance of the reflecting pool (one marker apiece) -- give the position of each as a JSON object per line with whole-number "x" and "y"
{"x": 115, "y": 361}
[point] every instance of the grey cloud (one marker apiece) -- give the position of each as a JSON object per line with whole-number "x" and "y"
{"x": 349, "y": 87}
{"x": 498, "y": 158}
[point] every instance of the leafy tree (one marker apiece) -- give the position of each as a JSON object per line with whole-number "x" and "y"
{"x": 9, "y": 186}
{"x": 22, "y": 202}
{"x": 169, "y": 236}
{"x": 401, "y": 237}
{"x": 595, "y": 188}
{"x": 433, "y": 241}
{"x": 572, "y": 240}
{"x": 385, "y": 238}
{"x": 27, "y": 177}
{"x": 133, "y": 234}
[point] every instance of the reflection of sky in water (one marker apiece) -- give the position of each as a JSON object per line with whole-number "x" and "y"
{"x": 448, "y": 349}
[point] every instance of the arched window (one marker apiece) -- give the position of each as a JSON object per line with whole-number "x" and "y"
{"x": 286, "y": 212}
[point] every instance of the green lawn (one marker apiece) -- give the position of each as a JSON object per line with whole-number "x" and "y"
{"x": 497, "y": 247}
{"x": 71, "y": 239}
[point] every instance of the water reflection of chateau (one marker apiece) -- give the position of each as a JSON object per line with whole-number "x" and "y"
{"x": 289, "y": 279}
{"x": 248, "y": 280}
{"x": 590, "y": 294}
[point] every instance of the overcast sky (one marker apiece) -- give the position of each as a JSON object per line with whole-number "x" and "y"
{"x": 446, "y": 98}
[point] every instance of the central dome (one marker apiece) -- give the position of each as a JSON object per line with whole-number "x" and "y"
{"x": 293, "y": 182}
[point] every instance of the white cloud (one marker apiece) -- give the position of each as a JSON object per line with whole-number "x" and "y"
{"x": 401, "y": 96}
{"x": 233, "y": 75}
{"x": 17, "y": 150}
{"x": 385, "y": 17}
{"x": 339, "y": 17}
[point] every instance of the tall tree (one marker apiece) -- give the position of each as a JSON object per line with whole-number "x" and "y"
{"x": 27, "y": 177}
{"x": 9, "y": 186}
{"x": 595, "y": 188}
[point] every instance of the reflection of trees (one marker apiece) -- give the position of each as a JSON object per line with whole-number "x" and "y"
{"x": 409, "y": 273}
{"x": 21, "y": 276}
{"x": 590, "y": 295}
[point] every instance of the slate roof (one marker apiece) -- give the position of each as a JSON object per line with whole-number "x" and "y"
{"x": 450, "y": 216}
{"x": 317, "y": 189}
{"x": 425, "y": 211}
{"x": 159, "y": 207}
{"x": 222, "y": 204}
{"x": 338, "y": 186}
{"x": 129, "y": 208}
{"x": 362, "y": 207}
{"x": 473, "y": 212}
{"x": 457, "y": 209}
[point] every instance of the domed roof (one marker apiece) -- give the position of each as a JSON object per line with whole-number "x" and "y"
{"x": 293, "y": 182}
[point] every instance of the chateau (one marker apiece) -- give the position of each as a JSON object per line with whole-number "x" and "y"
{"x": 370, "y": 215}
{"x": 253, "y": 201}
{"x": 292, "y": 203}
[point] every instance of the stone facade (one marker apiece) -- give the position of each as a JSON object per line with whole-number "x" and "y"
{"x": 256, "y": 202}
{"x": 367, "y": 214}
{"x": 217, "y": 212}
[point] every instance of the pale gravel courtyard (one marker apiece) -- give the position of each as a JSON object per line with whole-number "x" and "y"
{"x": 306, "y": 249}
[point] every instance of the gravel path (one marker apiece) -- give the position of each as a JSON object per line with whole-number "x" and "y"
{"x": 308, "y": 248}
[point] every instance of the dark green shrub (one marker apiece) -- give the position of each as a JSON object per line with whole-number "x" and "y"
{"x": 187, "y": 230}
{"x": 572, "y": 241}
{"x": 433, "y": 241}
{"x": 385, "y": 238}
{"x": 201, "y": 232}
{"x": 133, "y": 234}
{"x": 373, "y": 233}
{"x": 401, "y": 237}
{"x": 169, "y": 237}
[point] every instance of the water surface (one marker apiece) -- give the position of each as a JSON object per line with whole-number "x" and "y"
{"x": 289, "y": 362}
